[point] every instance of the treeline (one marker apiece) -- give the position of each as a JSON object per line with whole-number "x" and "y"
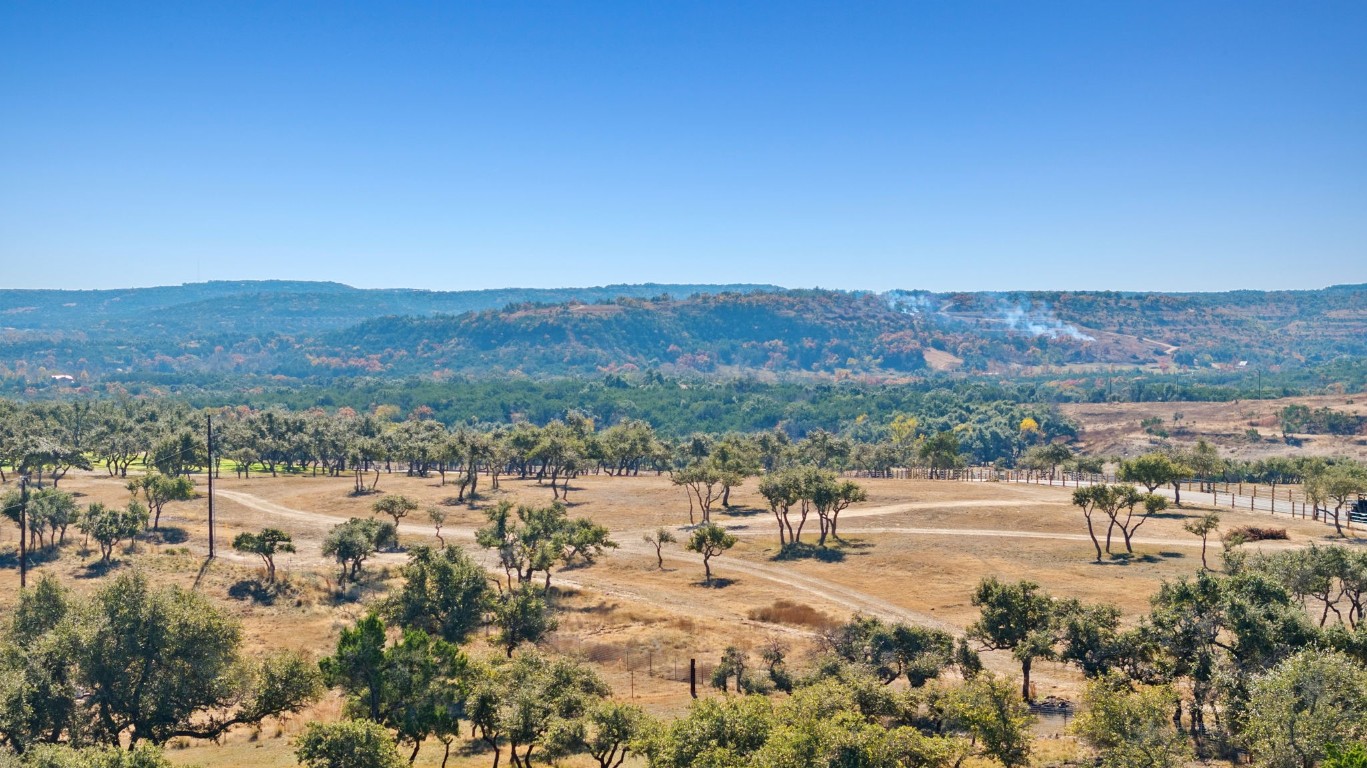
{"x": 45, "y": 440}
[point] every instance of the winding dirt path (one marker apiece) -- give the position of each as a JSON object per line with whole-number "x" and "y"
{"x": 318, "y": 524}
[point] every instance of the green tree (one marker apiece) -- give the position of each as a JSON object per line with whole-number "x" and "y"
{"x": 1310, "y": 702}
{"x": 135, "y": 664}
{"x": 158, "y": 490}
{"x": 1131, "y": 729}
{"x": 612, "y": 729}
{"x": 709, "y": 540}
{"x": 997, "y": 722}
{"x": 396, "y": 506}
{"x": 415, "y": 687}
{"x": 445, "y": 593}
{"x": 892, "y": 651}
{"x": 1045, "y": 458}
{"x": 266, "y": 545}
{"x": 65, "y": 756}
{"x": 50, "y": 511}
{"x": 658, "y": 539}
{"x": 529, "y": 702}
{"x": 353, "y": 542}
{"x": 1154, "y": 469}
{"x": 348, "y": 744}
{"x": 521, "y": 615}
{"x": 1019, "y": 618}
{"x": 109, "y": 526}
{"x": 706, "y": 483}
{"x": 1203, "y": 526}
{"x": 941, "y": 451}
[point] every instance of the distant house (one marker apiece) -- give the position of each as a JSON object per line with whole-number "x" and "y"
{"x": 62, "y": 377}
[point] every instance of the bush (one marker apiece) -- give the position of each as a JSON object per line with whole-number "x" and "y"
{"x": 1246, "y": 533}
{"x": 348, "y": 744}
{"x": 788, "y": 612}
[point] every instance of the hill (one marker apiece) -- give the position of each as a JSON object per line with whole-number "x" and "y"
{"x": 326, "y": 330}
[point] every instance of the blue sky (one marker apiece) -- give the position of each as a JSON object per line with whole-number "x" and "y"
{"x": 941, "y": 145}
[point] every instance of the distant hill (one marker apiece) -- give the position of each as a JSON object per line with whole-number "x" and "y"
{"x": 302, "y": 330}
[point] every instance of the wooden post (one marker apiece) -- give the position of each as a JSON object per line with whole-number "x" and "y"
{"x": 693, "y": 678}
{"x": 23, "y": 531}
{"x": 209, "y": 449}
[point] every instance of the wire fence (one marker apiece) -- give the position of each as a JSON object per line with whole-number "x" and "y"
{"x": 1274, "y": 498}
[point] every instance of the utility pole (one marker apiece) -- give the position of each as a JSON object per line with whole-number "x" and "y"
{"x": 209, "y": 446}
{"x": 23, "y": 531}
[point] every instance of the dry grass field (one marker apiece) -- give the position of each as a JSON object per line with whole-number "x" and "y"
{"x": 912, "y": 552}
{"x": 1114, "y": 429}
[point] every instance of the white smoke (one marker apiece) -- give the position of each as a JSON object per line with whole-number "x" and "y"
{"x": 1034, "y": 319}
{"x": 910, "y": 302}
{"x": 1039, "y": 321}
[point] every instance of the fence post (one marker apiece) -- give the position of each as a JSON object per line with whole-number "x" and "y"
{"x": 693, "y": 678}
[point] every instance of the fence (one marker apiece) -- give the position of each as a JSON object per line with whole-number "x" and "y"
{"x": 670, "y": 665}
{"x": 1275, "y": 498}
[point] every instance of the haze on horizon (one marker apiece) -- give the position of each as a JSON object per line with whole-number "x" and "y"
{"x": 967, "y": 146}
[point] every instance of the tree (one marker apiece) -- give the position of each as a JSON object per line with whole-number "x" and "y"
{"x": 353, "y": 542}
{"x": 709, "y": 540}
{"x": 64, "y": 756}
{"x": 50, "y": 511}
{"x": 445, "y": 593}
{"x": 521, "y": 615}
{"x": 1016, "y": 617}
{"x": 941, "y": 451}
{"x": 415, "y": 687}
{"x": 397, "y": 507}
{"x": 734, "y": 664}
{"x": 1131, "y": 729}
{"x": 158, "y": 490}
{"x": 438, "y": 517}
{"x": 1154, "y": 469}
{"x": 1042, "y": 458}
{"x": 658, "y": 539}
{"x": 529, "y": 702}
{"x": 1118, "y": 502}
{"x": 724, "y": 732}
{"x": 1343, "y": 484}
{"x": 997, "y": 722}
{"x": 1089, "y": 501}
{"x": 612, "y": 730}
{"x": 109, "y": 526}
{"x": 1308, "y": 703}
{"x": 583, "y": 539}
{"x": 706, "y": 483}
{"x": 135, "y": 664}
{"x": 347, "y": 744}
{"x": 830, "y": 497}
{"x": 266, "y": 544}
{"x": 1203, "y": 526}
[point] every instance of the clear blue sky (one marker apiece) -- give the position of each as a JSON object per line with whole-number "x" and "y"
{"x": 941, "y": 145}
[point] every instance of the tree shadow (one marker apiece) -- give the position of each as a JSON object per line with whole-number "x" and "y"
{"x": 10, "y": 560}
{"x": 259, "y": 591}
{"x": 805, "y": 551}
{"x": 97, "y": 569}
{"x": 742, "y": 511}
{"x": 167, "y": 534}
{"x": 1172, "y": 555}
{"x": 717, "y": 582}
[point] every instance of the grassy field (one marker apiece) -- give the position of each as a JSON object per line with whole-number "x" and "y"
{"x": 1116, "y": 429}
{"x": 912, "y": 552}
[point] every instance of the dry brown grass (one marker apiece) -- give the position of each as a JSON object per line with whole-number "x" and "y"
{"x": 794, "y": 614}
{"x": 915, "y": 549}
